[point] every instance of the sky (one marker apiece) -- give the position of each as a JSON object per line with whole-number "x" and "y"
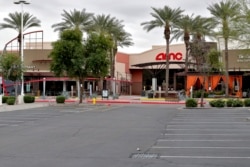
{"x": 131, "y": 12}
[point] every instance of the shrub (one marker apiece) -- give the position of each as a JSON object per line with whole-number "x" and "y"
{"x": 220, "y": 103}
{"x": 4, "y": 99}
{"x": 219, "y": 92}
{"x": 238, "y": 103}
{"x": 60, "y": 99}
{"x": 217, "y": 103}
{"x": 191, "y": 103}
{"x": 247, "y": 102}
{"x": 229, "y": 102}
{"x": 212, "y": 103}
{"x": 29, "y": 99}
{"x": 11, "y": 100}
{"x": 197, "y": 94}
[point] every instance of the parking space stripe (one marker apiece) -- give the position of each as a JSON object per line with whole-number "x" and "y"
{"x": 214, "y": 130}
{"x": 198, "y": 134}
{"x": 163, "y": 147}
{"x": 226, "y": 140}
{"x": 203, "y": 157}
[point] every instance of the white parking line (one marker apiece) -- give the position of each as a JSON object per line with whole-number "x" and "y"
{"x": 203, "y": 157}
{"x": 206, "y": 122}
{"x": 211, "y": 125}
{"x": 226, "y": 140}
{"x": 231, "y": 130}
{"x": 198, "y": 134}
{"x": 162, "y": 147}
{"x": 218, "y": 118}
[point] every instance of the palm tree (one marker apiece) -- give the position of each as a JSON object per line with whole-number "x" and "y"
{"x": 164, "y": 17}
{"x": 14, "y": 22}
{"x": 74, "y": 20}
{"x": 114, "y": 29}
{"x": 224, "y": 14}
{"x": 185, "y": 28}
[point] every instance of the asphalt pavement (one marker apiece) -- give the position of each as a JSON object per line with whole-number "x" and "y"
{"x": 122, "y": 135}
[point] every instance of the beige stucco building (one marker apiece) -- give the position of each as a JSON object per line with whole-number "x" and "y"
{"x": 133, "y": 72}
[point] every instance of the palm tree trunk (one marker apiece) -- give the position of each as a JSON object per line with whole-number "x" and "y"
{"x": 16, "y": 96}
{"x": 167, "y": 69}
{"x": 186, "y": 62}
{"x": 203, "y": 90}
{"x": 226, "y": 72}
{"x": 114, "y": 51}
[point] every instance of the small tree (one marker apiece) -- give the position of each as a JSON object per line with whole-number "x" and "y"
{"x": 96, "y": 54}
{"x": 68, "y": 58}
{"x": 11, "y": 67}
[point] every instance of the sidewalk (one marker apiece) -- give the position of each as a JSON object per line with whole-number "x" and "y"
{"x": 5, "y": 107}
{"x": 121, "y": 99}
{"x": 41, "y": 102}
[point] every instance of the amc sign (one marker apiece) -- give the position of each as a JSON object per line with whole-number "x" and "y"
{"x": 172, "y": 56}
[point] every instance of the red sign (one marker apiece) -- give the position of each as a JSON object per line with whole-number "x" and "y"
{"x": 172, "y": 56}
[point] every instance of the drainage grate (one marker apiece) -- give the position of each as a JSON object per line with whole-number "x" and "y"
{"x": 144, "y": 155}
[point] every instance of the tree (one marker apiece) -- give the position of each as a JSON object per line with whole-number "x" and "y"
{"x": 225, "y": 13}
{"x": 164, "y": 17}
{"x": 213, "y": 61}
{"x": 96, "y": 54}
{"x": 185, "y": 27}
{"x": 14, "y": 22}
{"x": 74, "y": 20}
{"x": 114, "y": 30}
{"x": 11, "y": 68}
{"x": 242, "y": 25}
{"x": 68, "y": 56}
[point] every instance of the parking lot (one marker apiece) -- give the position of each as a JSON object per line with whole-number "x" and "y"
{"x": 213, "y": 137}
{"x": 131, "y": 135}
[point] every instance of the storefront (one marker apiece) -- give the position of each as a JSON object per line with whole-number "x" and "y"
{"x": 141, "y": 71}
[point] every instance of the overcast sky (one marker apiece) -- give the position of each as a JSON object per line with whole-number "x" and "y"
{"x": 132, "y": 12}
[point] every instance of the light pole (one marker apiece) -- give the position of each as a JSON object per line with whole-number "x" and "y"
{"x": 21, "y": 2}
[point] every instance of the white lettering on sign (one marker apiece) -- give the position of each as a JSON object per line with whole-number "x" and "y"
{"x": 243, "y": 58}
{"x": 30, "y": 67}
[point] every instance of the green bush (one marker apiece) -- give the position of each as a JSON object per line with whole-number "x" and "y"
{"x": 11, "y": 100}
{"x": 29, "y": 99}
{"x": 60, "y": 99}
{"x": 222, "y": 92}
{"x": 217, "y": 103}
{"x": 191, "y": 103}
{"x": 197, "y": 94}
{"x": 220, "y": 103}
{"x": 229, "y": 102}
{"x": 238, "y": 103}
{"x": 212, "y": 103}
{"x": 4, "y": 99}
{"x": 247, "y": 102}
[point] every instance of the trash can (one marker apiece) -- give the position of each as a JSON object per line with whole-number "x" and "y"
{"x": 150, "y": 95}
{"x": 143, "y": 93}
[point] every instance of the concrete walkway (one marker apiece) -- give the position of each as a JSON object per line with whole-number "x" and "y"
{"x": 121, "y": 99}
{"x": 42, "y": 102}
{"x": 5, "y": 107}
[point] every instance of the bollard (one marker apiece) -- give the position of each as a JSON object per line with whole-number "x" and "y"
{"x": 94, "y": 101}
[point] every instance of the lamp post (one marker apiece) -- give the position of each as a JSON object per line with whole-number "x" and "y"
{"x": 21, "y": 2}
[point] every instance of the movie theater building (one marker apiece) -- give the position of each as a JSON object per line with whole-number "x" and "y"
{"x": 147, "y": 70}
{"x": 137, "y": 72}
